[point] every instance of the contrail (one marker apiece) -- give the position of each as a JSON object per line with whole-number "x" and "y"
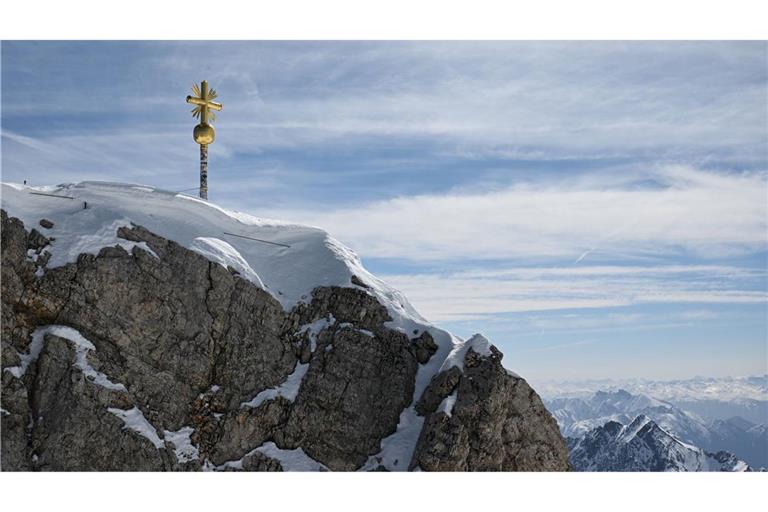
{"x": 583, "y": 255}
{"x": 618, "y": 230}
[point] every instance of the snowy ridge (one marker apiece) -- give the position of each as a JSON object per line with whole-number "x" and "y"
{"x": 478, "y": 343}
{"x": 735, "y": 441}
{"x": 631, "y": 430}
{"x": 644, "y": 446}
{"x": 576, "y": 416}
{"x": 88, "y": 220}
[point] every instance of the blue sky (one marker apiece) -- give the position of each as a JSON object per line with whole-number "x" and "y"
{"x": 597, "y": 209}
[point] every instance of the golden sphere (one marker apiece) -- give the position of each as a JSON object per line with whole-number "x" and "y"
{"x": 204, "y": 134}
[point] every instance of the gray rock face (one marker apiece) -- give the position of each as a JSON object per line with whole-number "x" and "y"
{"x": 259, "y": 462}
{"x": 497, "y": 422}
{"x": 188, "y": 347}
{"x": 352, "y": 395}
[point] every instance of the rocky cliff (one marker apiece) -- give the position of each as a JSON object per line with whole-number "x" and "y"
{"x": 146, "y": 355}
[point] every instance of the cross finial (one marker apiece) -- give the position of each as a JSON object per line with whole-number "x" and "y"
{"x": 204, "y": 133}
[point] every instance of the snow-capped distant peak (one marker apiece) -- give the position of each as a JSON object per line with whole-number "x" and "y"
{"x": 642, "y": 445}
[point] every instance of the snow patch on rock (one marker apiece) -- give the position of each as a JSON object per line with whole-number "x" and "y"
{"x": 291, "y": 460}
{"x": 183, "y": 448}
{"x": 82, "y": 347}
{"x": 288, "y": 389}
{"x": 448, "y": 402}
{"x": 314, "y": 329}
{"x": 347, "y": 325}
{"x": 134, "y": 420}
{"x": 35, "y": 347}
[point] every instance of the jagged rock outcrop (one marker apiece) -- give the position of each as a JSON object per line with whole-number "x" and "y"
{"x": 488, "y": 427}
{"x": 159, "y": 359}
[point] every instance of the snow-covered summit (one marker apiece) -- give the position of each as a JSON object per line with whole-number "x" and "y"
{"x": 87, "y": 215}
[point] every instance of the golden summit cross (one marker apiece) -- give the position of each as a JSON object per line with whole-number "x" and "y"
{"x": 204, "y": 133}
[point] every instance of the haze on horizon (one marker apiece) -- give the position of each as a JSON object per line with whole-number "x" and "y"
{"x": 597, "y": 210}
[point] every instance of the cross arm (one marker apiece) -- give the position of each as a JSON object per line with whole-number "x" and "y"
{"x": 203, "y": 103}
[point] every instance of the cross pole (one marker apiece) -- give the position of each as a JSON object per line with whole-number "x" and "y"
{"x": 204, "y": 133}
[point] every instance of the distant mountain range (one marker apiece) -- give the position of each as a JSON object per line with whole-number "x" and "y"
{"x": 696, "y": 389}
{"x": 585, "y": 421}
{"x": 755, "y": 411}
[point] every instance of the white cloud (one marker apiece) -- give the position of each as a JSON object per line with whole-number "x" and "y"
{"x": 151, "y": 156}
{"x": 497, "y": 97}
{"x": 684, "y": 211}
{"x": 547, "y": 348}
{"x": 480, "y": 293}
{"x": 611, "y": 97}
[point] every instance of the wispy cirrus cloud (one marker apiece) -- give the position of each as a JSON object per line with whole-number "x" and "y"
{"x": 476, "y": 294}
{"x": 473, "y": 100}
{"x": 561, "y": 346}
{"x": 669, "y": 211}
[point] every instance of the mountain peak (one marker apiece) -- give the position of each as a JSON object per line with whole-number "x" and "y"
{"x": 162, "y": 332}
{"x": 644, "y": 446}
